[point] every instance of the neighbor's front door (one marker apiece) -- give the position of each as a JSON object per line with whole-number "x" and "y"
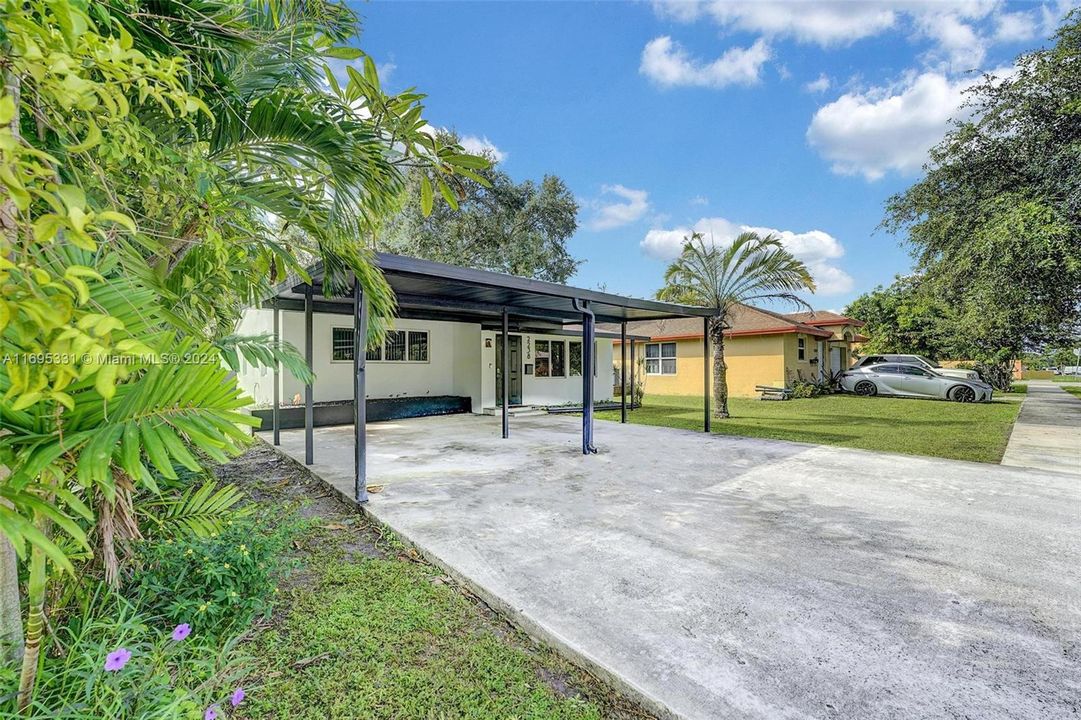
{"x": 514, "y": 368}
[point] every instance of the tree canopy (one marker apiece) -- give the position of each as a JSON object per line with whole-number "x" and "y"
{"x": 902, "y": 318}
{"x": 995, "y": 224}
{"x": 498, "y": 224}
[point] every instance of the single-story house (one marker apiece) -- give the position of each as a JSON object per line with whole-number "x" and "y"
{"x": 761, "y": 347}
{"x": 463, "y": 340}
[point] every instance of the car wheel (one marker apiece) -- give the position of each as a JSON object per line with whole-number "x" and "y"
{"x": 866, "y": 388}
{"x": 963, "y": 393}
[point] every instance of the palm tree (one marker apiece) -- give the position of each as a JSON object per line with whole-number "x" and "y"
{"x": 751, "y": 268}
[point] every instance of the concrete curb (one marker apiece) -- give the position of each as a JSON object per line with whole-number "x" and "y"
{"x": 519, "y": 619}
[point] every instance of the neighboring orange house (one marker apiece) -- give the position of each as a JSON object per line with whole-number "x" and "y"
{"x": 761, "y": 347}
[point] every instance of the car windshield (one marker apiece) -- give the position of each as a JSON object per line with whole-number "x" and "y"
{"x": 932, "y": 363}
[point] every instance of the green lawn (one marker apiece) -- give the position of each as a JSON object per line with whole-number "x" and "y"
{"x": 917, "y": 427}
{"x": 1074, "y": 390}
{"x": 366, "y": 630}
{"x": 1068, "y": 379}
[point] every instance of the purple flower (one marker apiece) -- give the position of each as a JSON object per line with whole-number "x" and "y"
{"x": 117, "y": 659}
{"x": 181, "y": 631}
{"x": 211, "y": 713}
{"x": 237, "y": 697}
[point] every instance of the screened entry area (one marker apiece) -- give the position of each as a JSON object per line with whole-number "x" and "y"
{"x": 464, "y": 341}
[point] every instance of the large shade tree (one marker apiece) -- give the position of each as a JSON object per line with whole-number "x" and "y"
{"x": 995, "y": 224}
{"x": 751, "y": 269}
{"x": 494, "y": 223}
{"x": 904, "y": 318}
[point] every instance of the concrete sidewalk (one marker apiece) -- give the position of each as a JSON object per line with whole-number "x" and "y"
{"x": 1047, "y": 434}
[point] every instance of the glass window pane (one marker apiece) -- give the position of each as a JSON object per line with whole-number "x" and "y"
{"x": 653, "y": 350}
{"x": 375, "y": 353}
{"x": 418, "y": 346}
{"x": 558, "y": 350}
{"x": 541, "y": 363}
{"x": 396, "y": 345}
{"x": 668, "y": 366}
{"x": 668, "y": 350}
{"x": 341, "y": 349}
{"x": 576, "y": 358}
{"x": 653, "y": 366}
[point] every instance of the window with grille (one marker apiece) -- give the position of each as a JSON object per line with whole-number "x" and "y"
{"x": 341, "y": 344}
{"x": 409, "y": 346}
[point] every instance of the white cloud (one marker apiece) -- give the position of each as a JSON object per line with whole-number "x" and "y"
{"x": 665, "y": 62}
{"x": 681, "y": 10}
{"x": 699, "y": 200}
{"x": 960, "y": 31}
{"x": 820, "y": 84}
{"x": 338, "y": 68}
{"x": 1015, "y": 27}
{"x": 384, "y": 71}
{"x": 483, "y": 146}
{"x": 884, "y": 129}
{"x": 631, "y": 207}
{"x": 818, "y": 249}
{"x": 823, "y": 23}
{"x": 956, "y": 40}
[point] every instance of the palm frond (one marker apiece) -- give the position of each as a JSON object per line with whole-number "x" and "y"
{"x": 262, "y": 351}
{"x": 201, "y": 510}
{"x": 751, "y": 267}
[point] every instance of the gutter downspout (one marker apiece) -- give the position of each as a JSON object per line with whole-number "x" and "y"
{"x": 588, "y": 335}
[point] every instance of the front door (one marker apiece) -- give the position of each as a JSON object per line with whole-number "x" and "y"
{"x": 514, "y": 369}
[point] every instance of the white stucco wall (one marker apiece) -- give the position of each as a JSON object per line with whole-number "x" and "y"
{"x": 458, "y": 364}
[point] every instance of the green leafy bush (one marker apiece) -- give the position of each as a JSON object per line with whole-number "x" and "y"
{"x": 218, "y": 582}
{"x": 108, "y": 660}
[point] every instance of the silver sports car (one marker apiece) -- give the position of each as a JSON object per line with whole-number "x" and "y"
{"x": 912, "y": 381}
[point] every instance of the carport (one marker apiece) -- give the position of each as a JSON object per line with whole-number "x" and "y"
{"x": 437, "y": 291}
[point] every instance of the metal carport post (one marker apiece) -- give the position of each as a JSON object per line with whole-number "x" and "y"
{"x": 276, "y": 418}
{"x": 588, "y": 362}
{"x": 705, "y": 371}
{"x": 623, "y": 371}
{"x": 360, "y": 402}
{"x": 309, "y": 441}
{"x": 504, "y": 380}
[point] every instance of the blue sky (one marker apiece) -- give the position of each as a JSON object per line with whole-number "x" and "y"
{"x": 797, "y": 117}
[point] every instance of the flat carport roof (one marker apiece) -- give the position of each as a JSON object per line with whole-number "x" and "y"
{"x": 430, "y": 290}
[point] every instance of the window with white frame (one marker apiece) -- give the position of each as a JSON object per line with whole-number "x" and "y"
{"x": 801, "y": 348}
{"x": 661, "y": 358}
{"x": 409, "y": 346}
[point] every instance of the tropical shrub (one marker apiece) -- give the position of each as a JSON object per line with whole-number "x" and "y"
{"x": 108, "y": 660}
{"x": 803, "y": 388}
{"x": 217, "y": 582}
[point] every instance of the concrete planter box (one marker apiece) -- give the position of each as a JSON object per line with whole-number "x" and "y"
{"x": 341, "y": 412}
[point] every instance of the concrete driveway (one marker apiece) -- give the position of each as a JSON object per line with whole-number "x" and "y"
{"x": 722, "y": 577}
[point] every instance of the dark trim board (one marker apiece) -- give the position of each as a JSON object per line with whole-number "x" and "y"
{"x": 341, "y": 413}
